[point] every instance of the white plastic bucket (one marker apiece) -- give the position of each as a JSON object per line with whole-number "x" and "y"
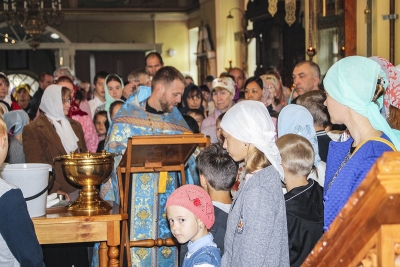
{"x": 31, "y": 178}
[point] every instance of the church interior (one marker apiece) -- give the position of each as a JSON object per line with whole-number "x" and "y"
{"x": 92, "y": 39}
{"x": 92, "y": 35}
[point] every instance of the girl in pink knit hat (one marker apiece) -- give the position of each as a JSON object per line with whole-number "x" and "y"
{"x": 190, "y": 214}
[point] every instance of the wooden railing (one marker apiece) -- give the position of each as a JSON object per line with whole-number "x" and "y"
{"x": 367, "y": 230}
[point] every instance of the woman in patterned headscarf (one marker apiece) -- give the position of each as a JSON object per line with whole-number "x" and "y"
{"x": 391, "y": 99}
{"x": 355, "y": 87}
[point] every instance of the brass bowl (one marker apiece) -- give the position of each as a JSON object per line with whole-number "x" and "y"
{"x": 88, "y": 170}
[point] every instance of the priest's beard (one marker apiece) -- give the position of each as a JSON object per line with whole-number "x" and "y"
{"x": 166, "y": 106}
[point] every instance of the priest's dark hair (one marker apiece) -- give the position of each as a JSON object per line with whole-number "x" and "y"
{"x": 166, "y": 75}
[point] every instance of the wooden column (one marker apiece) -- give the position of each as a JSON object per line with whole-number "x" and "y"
{"x": 350, "y": 27}
{"x": 392, "y": 32}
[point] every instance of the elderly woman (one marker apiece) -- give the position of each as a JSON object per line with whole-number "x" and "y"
{"x": 256, "y": 233}
{"x": 53, "y": 134}
{"x": 222, "y": 95}
{"x": 75, "y": 112}
{"x": 355, "y": 87}
{"x": 296, "y": 119}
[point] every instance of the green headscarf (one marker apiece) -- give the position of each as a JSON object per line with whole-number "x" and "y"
{"x": 109, "y": 99}
{"x": 352, "y": 82}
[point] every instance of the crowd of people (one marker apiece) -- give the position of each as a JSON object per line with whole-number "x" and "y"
{"x": 272, "y": 182}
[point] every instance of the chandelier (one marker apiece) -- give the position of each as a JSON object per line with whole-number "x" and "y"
{"x": 32, "y": 16}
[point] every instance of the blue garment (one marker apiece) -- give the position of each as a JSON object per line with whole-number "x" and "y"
{"x": 18, "y": 242}
{"x": 147, "y": 214}
{"x": 202, "y": 251}
{"x": 350, "y": 176}
{"x": 217, "y": 230}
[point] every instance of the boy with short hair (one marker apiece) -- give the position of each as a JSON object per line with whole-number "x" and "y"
{"x": 314, "y": 101}
{"x": 99, "y": 95}
{"x": 217, "y": 172}
{"x": 190, "y": 214}
{"x": 303, "y": 200}
{"x": 18, "y": 242}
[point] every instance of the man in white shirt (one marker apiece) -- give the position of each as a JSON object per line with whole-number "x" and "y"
{"x": 99, "y": 96}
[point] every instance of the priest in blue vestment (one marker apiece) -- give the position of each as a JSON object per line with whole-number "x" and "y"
{"x": 155, "y": 115}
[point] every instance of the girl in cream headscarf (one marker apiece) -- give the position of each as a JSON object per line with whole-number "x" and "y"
{"x": 256, "y": 233}
{"x": 355, "y": 87}
{"x": 274, "y": 85}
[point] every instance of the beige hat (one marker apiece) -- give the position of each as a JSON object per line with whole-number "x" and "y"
{"x": 225, "y": 83}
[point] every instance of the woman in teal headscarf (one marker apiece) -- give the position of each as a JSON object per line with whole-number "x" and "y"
{"x": 355, "y": 86}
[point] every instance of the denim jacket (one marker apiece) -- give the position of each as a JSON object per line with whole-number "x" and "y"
{"x": 202, "y": 251}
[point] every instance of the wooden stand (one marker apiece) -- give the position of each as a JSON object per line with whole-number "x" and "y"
{"x": 366, "y": 232}
{"x": 156, "y": 153}
{"x": 59, "y": 226}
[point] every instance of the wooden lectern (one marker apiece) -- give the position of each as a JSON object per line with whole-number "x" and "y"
{"x": 154, "y": 153}
{"x": 366, "y": 232}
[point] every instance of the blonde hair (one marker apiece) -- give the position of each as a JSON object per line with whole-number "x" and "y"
{"x": 394, "y": 117}
{"x": 3, "y": 128}
{"x": 256, "y": 160}
{"x": 297, "y": 154}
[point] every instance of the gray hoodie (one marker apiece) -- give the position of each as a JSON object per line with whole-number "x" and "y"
{"x": 256, "y": 233}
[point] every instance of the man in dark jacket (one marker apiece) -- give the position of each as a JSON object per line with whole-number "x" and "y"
{"x": 45, "y": 79}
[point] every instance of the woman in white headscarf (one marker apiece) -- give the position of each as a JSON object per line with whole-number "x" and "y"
{"x": 256, "y": 233}
{"x": 296, "y": 119}
{"x": 54, "y": 134}
{"x": 355, "y": 87}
